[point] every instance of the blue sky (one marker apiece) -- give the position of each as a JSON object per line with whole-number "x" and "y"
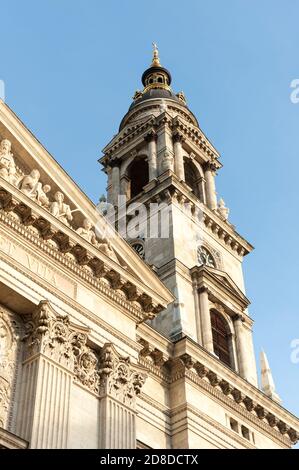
{"x": 70, "y": 69}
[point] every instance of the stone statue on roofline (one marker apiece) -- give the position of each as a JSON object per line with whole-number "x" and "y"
{"x": 222, "y": 210}
{"x": 7, "y": 163}
{"x": 87, "y": 232}
{"x": 60, "y": 209}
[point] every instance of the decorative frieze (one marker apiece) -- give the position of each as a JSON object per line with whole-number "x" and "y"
{"x": 82, "y": 257}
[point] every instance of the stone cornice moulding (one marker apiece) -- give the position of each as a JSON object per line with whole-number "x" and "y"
{"x": 74, "y": 305}
{"x": 191, "y": 362}
{"x": 169, "y": 189}
{"x": 154, "y": 104}
{"x": 196, "y": 138}
{"x": 11, "y": 440}
{"x": 85, "y": 278}
{"x": 222, "y": 289}
{"x": 194, "y": 134}
{"x": 10, "y": 195}
{"x": 207, "y": 371}
{"x": 12, "y": 127}
{"x": 125, "y": 135}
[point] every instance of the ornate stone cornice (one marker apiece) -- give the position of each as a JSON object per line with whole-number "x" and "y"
{"x": 125, "y": 137}
{"x": 197, "y": 137}
{"x": 170, "y": 190}
{"x": 132, "y": 116}
{"x": 179, "y": 127}
{"x": 219, "y": 285}
{"x": 186, "y": 366}
{"x": 85, "y": 261}
{"x": 246, "y": 402}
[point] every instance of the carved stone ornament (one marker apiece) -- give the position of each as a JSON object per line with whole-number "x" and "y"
{"x": 167, "y": 162}
{"x": 9, "y": 349}
{"x": 7, "y": 163}
{"x": 87, "y": 232}
{"x": 60, "y": 209}
{"x": 119, "y": 378}
{"x": 32, "y": 187}
{"x": 222, "y": 210}
{"x": 58, "y": 338}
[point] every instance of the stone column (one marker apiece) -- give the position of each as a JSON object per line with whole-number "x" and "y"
{"x": 244, "y": 367}
{"x": 202, "y": 190}
{"x": 115, "y": 182}
{"x": 211, "y": 197}
{"x": 178, "y": 139}
{"x": 151, "y": 138}
{"x": 51, "y": 349}
{"x": 206, "y": 328}
{"x": 120, "y": 383}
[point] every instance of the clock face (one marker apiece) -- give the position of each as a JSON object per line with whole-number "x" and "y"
{"x": 205, "y": 258}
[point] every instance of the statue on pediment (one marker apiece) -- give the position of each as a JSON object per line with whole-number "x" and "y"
{"x": 60, "y": 209}
{"x": 105, "y": 246}
{"x": 41, "y": 194}
{"x": 7, "y": 163}
{"x": 28, "y": 184}
{"x": 87, "y": 232}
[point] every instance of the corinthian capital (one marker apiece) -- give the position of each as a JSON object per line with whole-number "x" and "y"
{"x": 150, "y": 136}
{"x": 118, "y": 377}
{"x": 178, "y": 137}
{"x": 54, "y": 335}
{"x": 211, "y": 165}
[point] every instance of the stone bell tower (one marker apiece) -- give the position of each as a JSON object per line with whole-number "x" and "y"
{"x": 165, "y": 166}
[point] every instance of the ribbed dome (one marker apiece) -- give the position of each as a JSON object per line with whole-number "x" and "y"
{"x": 156, "y": 93}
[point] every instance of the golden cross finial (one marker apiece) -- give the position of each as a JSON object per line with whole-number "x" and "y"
{"x": 156, "y": 60}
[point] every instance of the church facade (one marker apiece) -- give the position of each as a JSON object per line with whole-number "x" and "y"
{"x": 126, "y": 325}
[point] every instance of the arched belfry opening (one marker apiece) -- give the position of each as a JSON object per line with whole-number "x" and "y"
{"x": 138, "y": 175}
{"x": 221, "y": 338}
{"x": 192, "y": 177}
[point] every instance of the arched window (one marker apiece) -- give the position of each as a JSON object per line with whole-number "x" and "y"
{"x": 192, "y": 177}
{"x": 221, "y": 338}
{"x": 138, "y": 174}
